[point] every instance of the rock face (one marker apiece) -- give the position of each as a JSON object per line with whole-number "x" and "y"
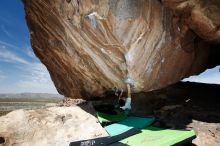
{"x": 201, "y": 15}
{"x": 92, "y": 46}
{"x": 56, "y": 126}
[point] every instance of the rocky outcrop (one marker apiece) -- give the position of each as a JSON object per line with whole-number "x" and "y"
{"x": 55, "y": 126}
{"x": 202, "y": 16}
{"x": 92, "y": 46}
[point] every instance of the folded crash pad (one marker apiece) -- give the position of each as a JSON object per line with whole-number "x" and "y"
{"x": 129, "y": 123}
{"x": 152, "y": 136}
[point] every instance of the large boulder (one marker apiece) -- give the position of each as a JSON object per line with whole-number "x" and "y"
{"x": 92, "y": 46}
{"x": 55, "y": 126}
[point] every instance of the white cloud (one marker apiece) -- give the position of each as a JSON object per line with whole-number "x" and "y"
{"x": 9, "y": 56}
{"x": 211, "y": 76}
{"x": 9, "y": 45}
{"x": 2, "y": 76}
{"x": 36, "y": 79}
{"x": 212, "y": 79}
{"x": 2, "y": 46}
{"x": 6, "y": 32}
{"x": 29, "y": 52}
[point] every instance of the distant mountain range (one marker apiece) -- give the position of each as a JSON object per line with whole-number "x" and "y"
{"x": 30, "y": 95}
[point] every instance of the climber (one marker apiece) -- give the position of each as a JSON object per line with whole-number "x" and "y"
{"x": 126, "y": 102}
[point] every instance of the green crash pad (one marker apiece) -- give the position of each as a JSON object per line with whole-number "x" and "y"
{"x": 129, "y": 123}
{"x": 110, "y": 118}
{"x": 152, "y": 136}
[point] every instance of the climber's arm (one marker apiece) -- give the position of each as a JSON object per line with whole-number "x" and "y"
{"x": 129, "y": 90}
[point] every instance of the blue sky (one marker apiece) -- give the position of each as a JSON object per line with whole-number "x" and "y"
{"x": 211, "y": 76}
{"x": 21, "y": 71}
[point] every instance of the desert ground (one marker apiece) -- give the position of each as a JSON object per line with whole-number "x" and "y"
{"x": 11, "y": 102}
